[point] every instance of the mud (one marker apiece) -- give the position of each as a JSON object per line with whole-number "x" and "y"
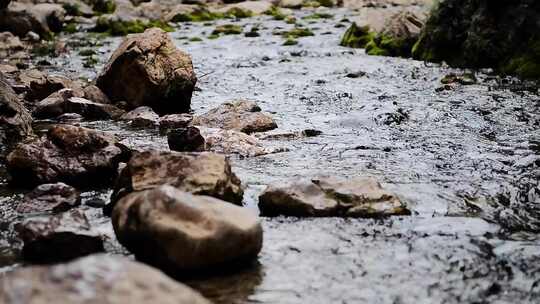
{"x": 466, "y": 160}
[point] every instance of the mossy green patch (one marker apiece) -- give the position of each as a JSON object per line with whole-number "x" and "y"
{"x": 122, "y": 28}
{"x": 198, "y": 15}
{"x": 357, "y": 36}
{"x": 90, "y": 61}
{"x": 72, "y": 9}
{"x": 87, "y": 52}
{"x": 104, "y": 6}
{"x": 319, "y": 16}
{"x": 46, "y": 48}
{"x": 195, "y": 39}
{"x": 275, "y": 12}
{"x": 70, "y": 28}
{"x": 213, "y": 36}
{"x": 290, "y": 41}
{"x": 297, "y": 32}
{"x": 239, "y": 13}
{"x": 227, "y": 29}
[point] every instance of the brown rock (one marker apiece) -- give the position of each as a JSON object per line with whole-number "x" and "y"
{"x": 235, "y": 142}
{"x": 95, "y": 94}
{"x": 58, "y": 238}
{"x": 69, "y": 154}
{"x": 15, "y": 121}
{"x": 141, "y": 117}
{"x": 241, "y": 115}
{"x": 198, "y": 173}
{"x": 42, "y": 18}
{"x": 39, "y": 85}
{"x": 96, "y": 279}
{"x": 177, "y": 231}
{"x": 331, "y": 197}
{"x": 174, "y": 121}
{"x": 50, "y": 198}
{"x": 186, "y": 140}
{"x": 148, "y": 69}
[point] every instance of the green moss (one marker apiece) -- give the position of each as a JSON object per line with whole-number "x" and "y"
{"x": 297, "y": 32}
{"x": 326, "y": 3}
{"x": 275, "y": 12}
{"x": 373, "y": 49}
{"x": 318, "y": 3}
{"x": 70, "y": 28}
{"x": 201, "y": 14}
{"x": 357, "y": 37}
{"x": 319, "y": 16}
{"x": 227, "y": 29}
{"x": 213, "y": 36}
{"x": 239, "y": 13}
{"x": 122, "y": 28}
{"x": 195, "y": 39}
{"x": 290, "y": 41}
{"x": 90, "y": 61}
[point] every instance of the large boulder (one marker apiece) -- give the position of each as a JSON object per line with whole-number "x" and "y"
{"x": 15, "y": 121}
{"x": 148, "y": 69}
{"x": 331, "y": 197}
{"x": 69, "y": 154}
{"x": 198, "y": 173}
{"x": 504, "y": 35}
{"x": 62, "y": 237}
{"x": 49, "y": 198}
{"x": 240, "y": 115}
{"x": 96, "y": 279}
{"x": 177, "y": 231}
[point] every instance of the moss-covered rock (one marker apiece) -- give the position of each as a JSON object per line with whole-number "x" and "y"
{"x": 118, "y": 27}
{"x": 227, "y": 29}
{"x": 357, "y": 36}
{"x": 297, "y": 32}
{"x": 276, "y": 12}
{"x": 504, "y": 35}
{"x": 198, "y": 14}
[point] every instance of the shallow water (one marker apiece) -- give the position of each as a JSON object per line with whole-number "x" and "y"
{"x": 458, "y": 158}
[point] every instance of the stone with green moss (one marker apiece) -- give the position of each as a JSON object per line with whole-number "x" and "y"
{"x": 237, "y": 12}
{"x": 297, "y": 32}
{"x": 195, "y": 39}
{"x": 276, "y": 12}
{"x": 117, "y": 27}
{"x": 213, "y": 36}
{"x": 475, "y": 34}
{"x": 87, "y": 52}
{"x": 227, "y": 29}
{"x": 200, "y": 14}
{"x": 104, "y": 6}
{"x": 70, "y": 28}
{"x": 319, "y": 16}
{"x": 357, "y": 36}
{"x": 290, "y": 41}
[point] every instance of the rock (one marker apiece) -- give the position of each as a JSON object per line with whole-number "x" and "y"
{"x": 235, "y": 142}
{"x": 49, "y": 198}
{"x": 480, "y": 34}
{"x": 189, "y": 13}
{"x": 290, "y": 135}
{"x": 174, "y": 121}
{"x": 463, "y": 79}
{"x": 240, "y": 115}
{"x": 147, "y": 69}
{"x": 42, "y": 18}
{"x": 96, "y": 279}
{"x": 38, "y": 85}
{"x": 176, "y": 231}
{"x": 395, "y": 38}
{"x": 141, "y": 117}
{"x": 95, "y": 94}
{"x": 186, "y": 140}
{"x": 198, "y": 173}
{"x": 58, "y": 238}
{"x": 69, "y": 154}
{"x": 15, "y": 121}
{"x": 251, "y": 7}
{"x": 295, "y": 4}
{"x": 331, "y": 197}
{"x": 64, "y": 101}
{"x": 9, "y": 44}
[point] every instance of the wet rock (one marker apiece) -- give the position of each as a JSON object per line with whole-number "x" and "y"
{"x": 247, "y": 7}
{"x": 480, "y": 34}
{"x": 294, "y": 4}
{"x": 186, "y": 140}
{"x": 39, "y": 85}
{"x": 174, "y": 121}
{"x": 42, "y": 18}
{"x": 69, "y": 154}
{"x": 58, "y": 238}
{"x": 147, "y": 69}
{"x": 95, "y": 94}
{"x": 141, "y": 117}
{"x": 15, "y": 121}
{"x": 289, "y": 136}
{"x": 198, "y": 173}
{"x": 395, "y": 38}
{"x": 235, "y": 142}
{"x": 464, "y": 79}
{"x": 177, "y": 231}
{"x": 99, "y": 278}
{"x": 49, "y": 198}
{"x": 331, "y": 197}
{"x": 64, "y": 101}
{"x": 241, "y": 115}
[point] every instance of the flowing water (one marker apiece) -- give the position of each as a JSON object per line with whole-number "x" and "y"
{"x": 465, "y": 160}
